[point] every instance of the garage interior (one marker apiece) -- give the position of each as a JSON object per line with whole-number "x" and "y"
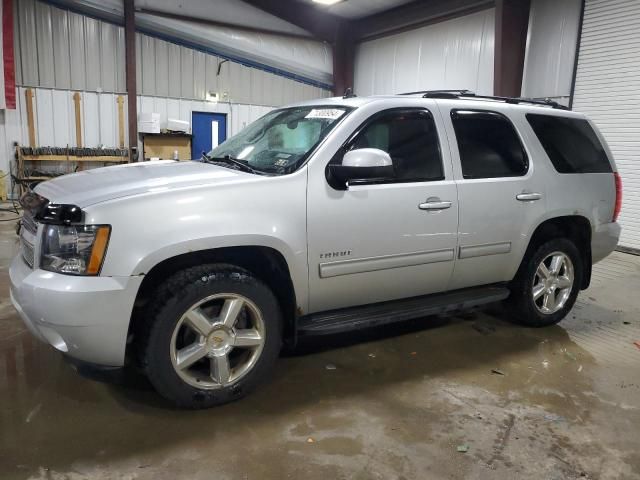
{"x": 90, "y": 84}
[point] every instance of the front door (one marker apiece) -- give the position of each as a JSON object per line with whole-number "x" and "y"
{"x": 209, "y": 130}
{"x": 384, "y": 241}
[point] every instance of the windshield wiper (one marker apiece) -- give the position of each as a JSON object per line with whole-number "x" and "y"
{"x": 229, "y": 160}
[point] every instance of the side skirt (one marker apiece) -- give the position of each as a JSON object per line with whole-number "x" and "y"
{"x": 366, "y": 316}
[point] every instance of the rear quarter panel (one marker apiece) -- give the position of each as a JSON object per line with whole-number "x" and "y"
{"x": 590, "y": 195}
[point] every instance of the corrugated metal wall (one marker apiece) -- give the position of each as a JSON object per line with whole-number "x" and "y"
{"x": 64, "y": 50}
{"x": 457, "y": 53}
{"x": 607, "y": 89}
{"x": 55, "y": 123}
{"x": 551, "y": 48}
{"x": 55, "y": 115}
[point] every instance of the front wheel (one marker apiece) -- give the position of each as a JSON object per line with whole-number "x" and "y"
{"x": 213, "y": 335}
{"x": 547, "y": 284}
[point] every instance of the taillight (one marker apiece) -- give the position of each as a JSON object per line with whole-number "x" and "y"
{"x": 616, "y": 210}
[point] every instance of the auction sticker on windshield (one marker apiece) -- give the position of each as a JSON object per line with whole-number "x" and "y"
{"x": 331, "y": 113}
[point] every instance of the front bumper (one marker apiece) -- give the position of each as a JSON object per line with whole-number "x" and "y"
{"x": 87, "y": 318}
{"x": 604, "y": 240}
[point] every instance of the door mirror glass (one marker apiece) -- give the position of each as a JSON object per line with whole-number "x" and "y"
{"x": 363, "y": 165}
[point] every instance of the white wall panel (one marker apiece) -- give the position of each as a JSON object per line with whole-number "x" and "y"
{"x": 186, "y": 72}
{"x": 28, "y": 43}
{"x": 185, "y": 111}
{"x": 121, "y": 70}
{"x": 175, "y": 67}
{"x": 44, "y": 35}
{"x": 61, "y": 102}
{"x": 607, "y": 86}
{"x": 211, "y": 73}
{"x": 457, "y": 53}
{"x": 162, "y": 68}
{"x": 22, "y": 108}
{"x": 92, "y": 53}
{"x": 44, "y": 119}
{"x": 108, "y": 119}
{"x": 60, "y": 29}
{"x": 16, "y": 44}
{"x": 138, "y": 63}
{"x": 148, "y": 58}
{"x": 199, "y": 74}
{"x": 108, "y": 53}
{"x": 551, "y": 49}
{"x": 90, "y": 120}
{"x": 76, "y": 51}
{"x": 173, "y": 108}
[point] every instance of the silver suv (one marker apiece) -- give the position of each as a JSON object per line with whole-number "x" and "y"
{"x": 318, "y": 218}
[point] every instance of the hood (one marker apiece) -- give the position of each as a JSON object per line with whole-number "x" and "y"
{"x": 101, "y": 184}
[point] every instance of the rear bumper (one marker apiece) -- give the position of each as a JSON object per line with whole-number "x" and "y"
{"x": 604, "y": 240}
{"x": 86, "y": 318}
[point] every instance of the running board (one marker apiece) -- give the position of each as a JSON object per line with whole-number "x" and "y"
{"x": 355, "y": 318}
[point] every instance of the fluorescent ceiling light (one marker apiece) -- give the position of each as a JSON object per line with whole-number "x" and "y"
{"x": 327, "y": 2}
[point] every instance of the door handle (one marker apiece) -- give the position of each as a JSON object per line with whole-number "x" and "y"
{"x": 434, "y": 203}
{"x": 528, "y": 197}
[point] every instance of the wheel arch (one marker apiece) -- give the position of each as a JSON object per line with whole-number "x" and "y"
{"x": 576, "y": 228}
{"x": 266, "y": 263}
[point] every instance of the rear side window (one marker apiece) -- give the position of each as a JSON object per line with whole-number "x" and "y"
{"x": 411, "y": 140}
{"x": 570, "y": 143}
{"x": 489, "y": 145}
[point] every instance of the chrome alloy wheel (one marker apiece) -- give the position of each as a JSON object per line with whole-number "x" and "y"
{"x": 217, "y": 341}
{"x": 552, "y": 283}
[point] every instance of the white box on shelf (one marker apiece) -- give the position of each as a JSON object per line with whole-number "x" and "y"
{"x": 176, "y": 125}
{"x": 149, "y": 122}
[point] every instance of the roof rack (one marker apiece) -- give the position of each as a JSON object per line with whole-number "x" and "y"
{"x": 466, "y": 94}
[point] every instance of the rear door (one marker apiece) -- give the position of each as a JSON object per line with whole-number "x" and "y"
{"x": 500, "y": 198}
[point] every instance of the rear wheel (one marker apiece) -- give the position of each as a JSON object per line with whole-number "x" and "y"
{"x": 547, "y": 284}
{"x": 213, "y": 335}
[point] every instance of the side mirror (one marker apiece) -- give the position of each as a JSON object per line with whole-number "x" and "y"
{"x": 364, "y": 165}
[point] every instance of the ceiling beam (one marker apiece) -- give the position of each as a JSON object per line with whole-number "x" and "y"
{"x": 322, "y": 25}
{"x": 216, "y": 23}
{"x": 413, "y": 15}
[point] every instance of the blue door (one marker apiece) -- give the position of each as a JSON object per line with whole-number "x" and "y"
{"x": 209, "y": 130}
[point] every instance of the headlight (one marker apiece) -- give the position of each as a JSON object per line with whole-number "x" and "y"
{"x": 74, "y": 249}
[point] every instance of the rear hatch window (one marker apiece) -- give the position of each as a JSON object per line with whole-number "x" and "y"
{"x": 570, "y": 143}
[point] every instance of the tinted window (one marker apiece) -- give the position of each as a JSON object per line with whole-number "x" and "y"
{"x": 410, "y": 139}
{"x": 570, "y": 143}
{"x": 489, "y": 145}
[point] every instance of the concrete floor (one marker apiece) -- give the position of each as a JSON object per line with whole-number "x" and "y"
{"x": 398, "y": 404}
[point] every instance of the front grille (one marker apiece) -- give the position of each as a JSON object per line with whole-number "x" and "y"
{"x": 27, "y": 237}
{"x": 27, "y": 252}
{"x": 29, "y": 223}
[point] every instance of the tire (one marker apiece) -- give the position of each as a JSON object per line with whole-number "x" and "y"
{"x": 555, "y": 298}
{"x": 187, "y": 311}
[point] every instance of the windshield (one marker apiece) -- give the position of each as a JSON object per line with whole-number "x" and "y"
{"x": 280, "y": 142}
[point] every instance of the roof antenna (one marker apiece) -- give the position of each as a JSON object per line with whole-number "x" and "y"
{"x": 348, "y": 93}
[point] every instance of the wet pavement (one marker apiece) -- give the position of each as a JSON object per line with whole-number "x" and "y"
{"x": 555, "y": 403}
